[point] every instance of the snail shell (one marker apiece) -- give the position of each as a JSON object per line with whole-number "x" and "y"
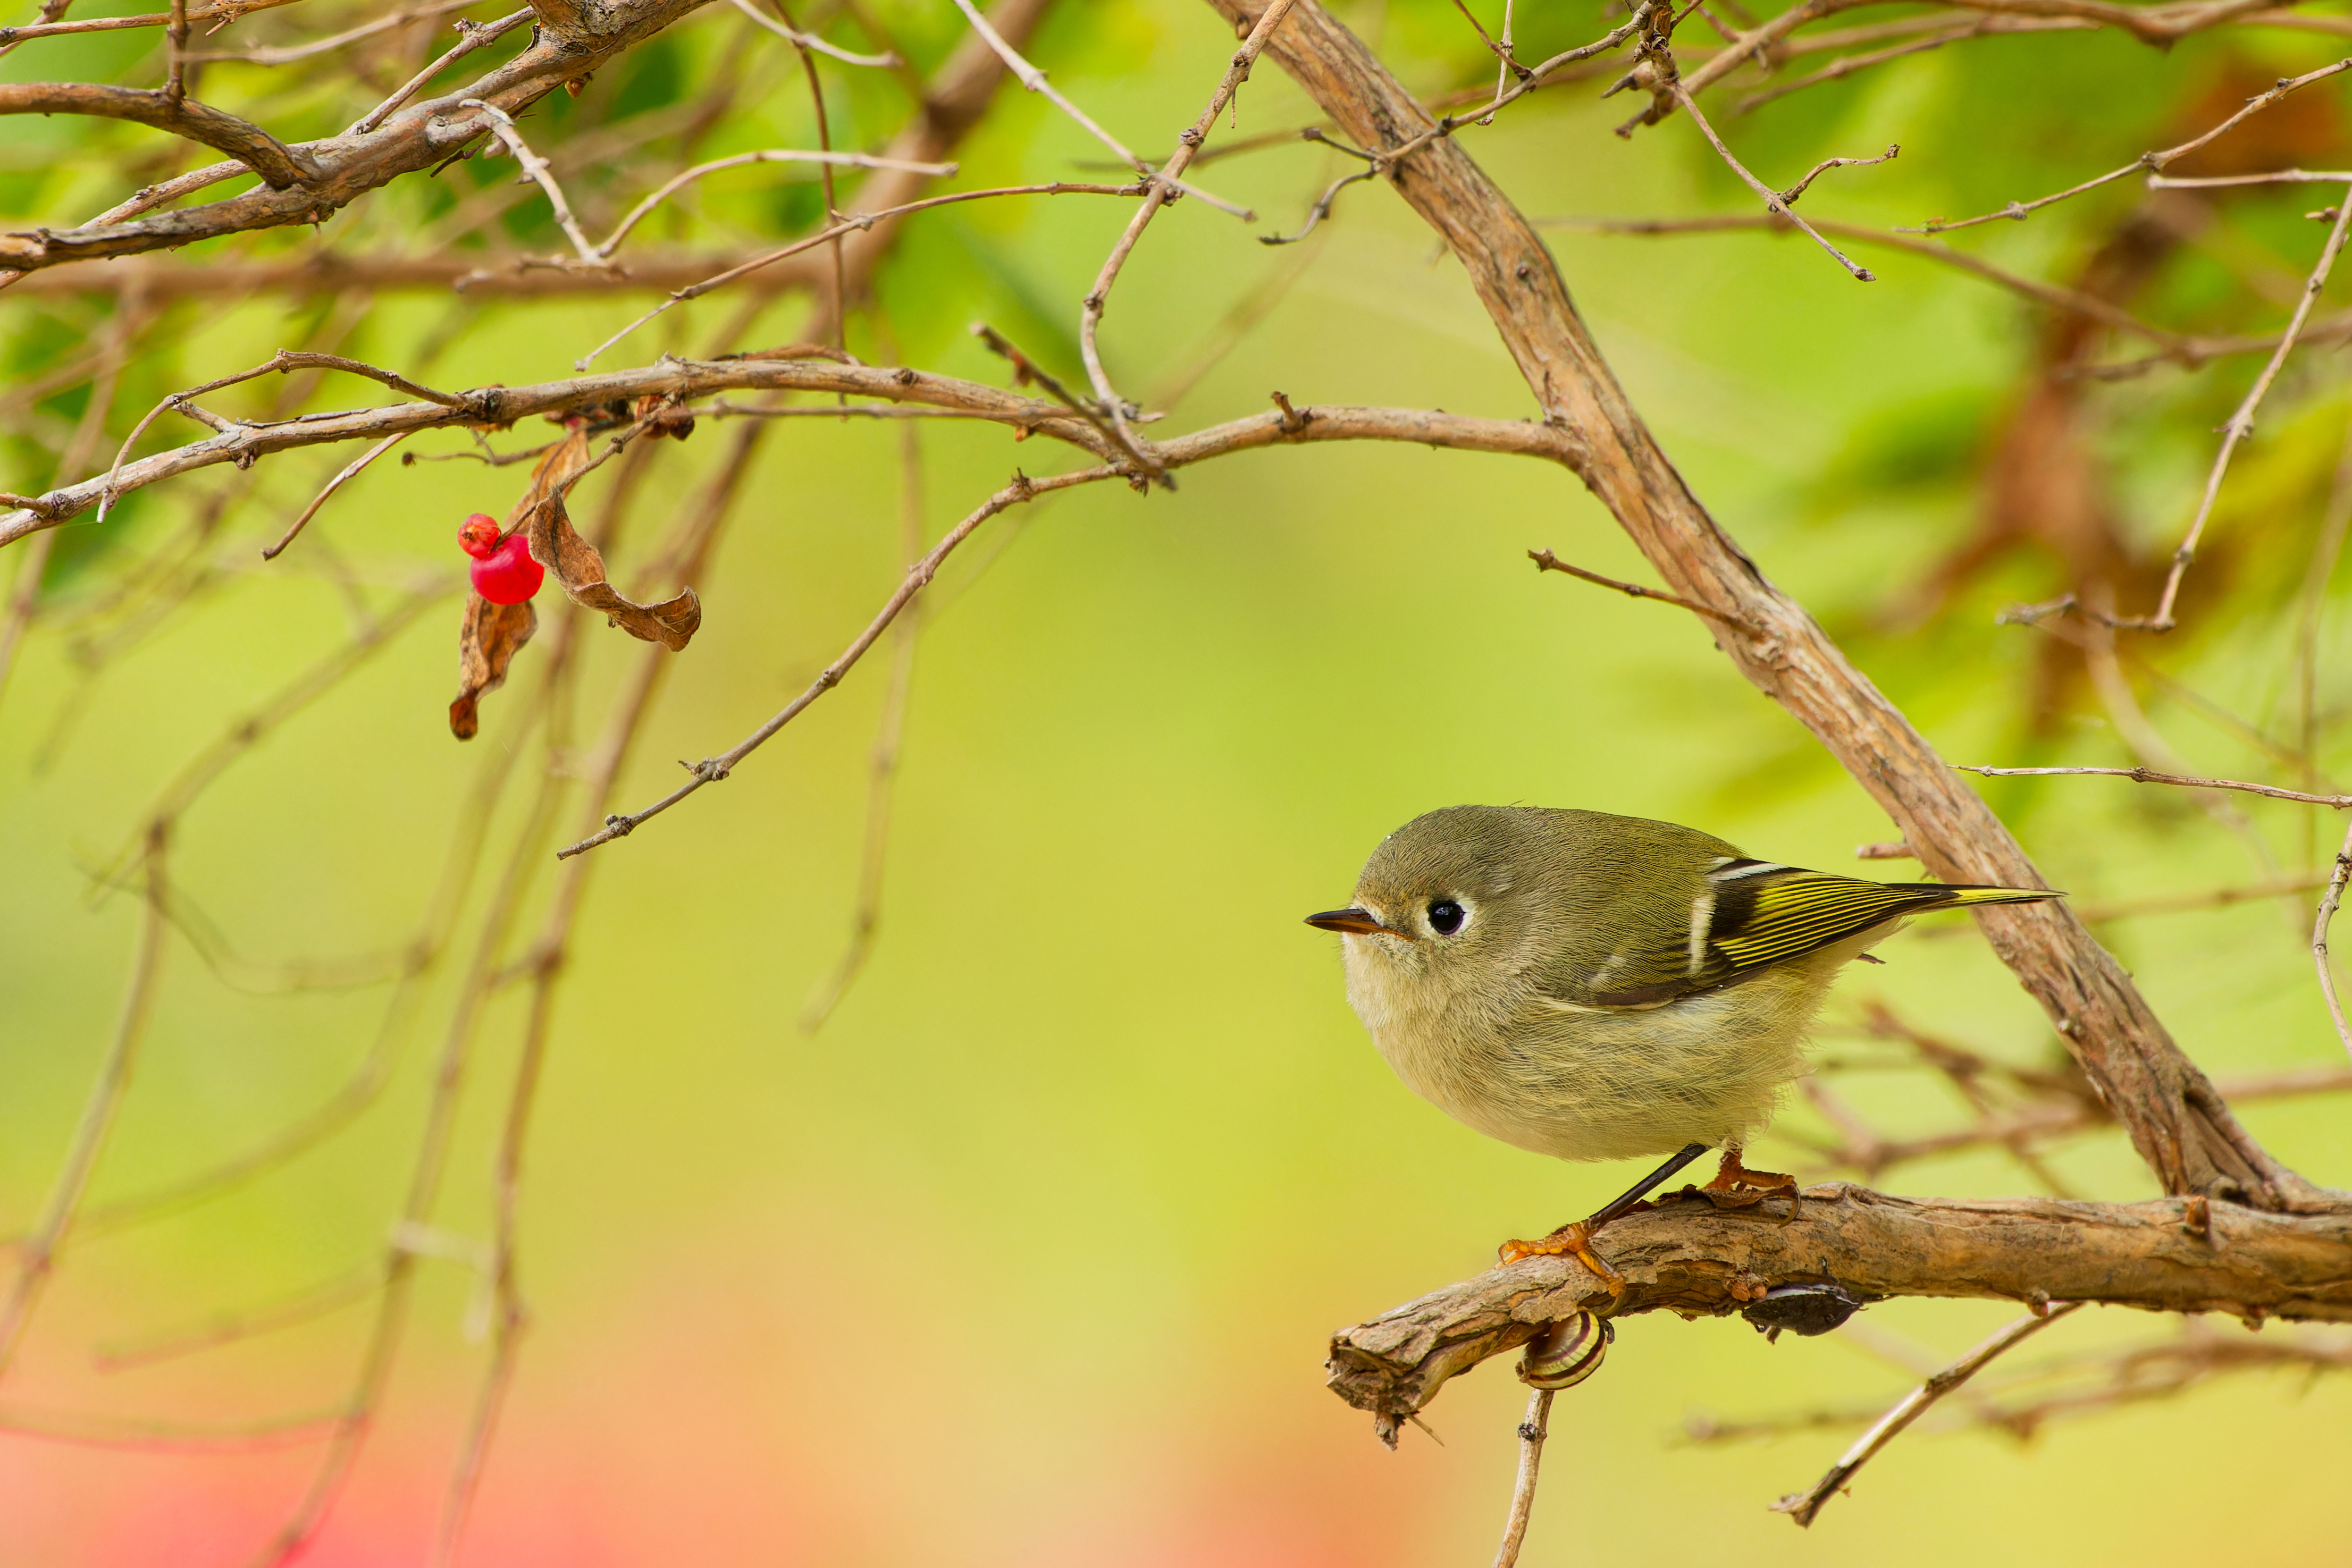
{"x": 1565, "y": 1353}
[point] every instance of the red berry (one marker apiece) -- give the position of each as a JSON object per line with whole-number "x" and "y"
{"x": 507, "y": 575}
{"x": 478, "y": 536}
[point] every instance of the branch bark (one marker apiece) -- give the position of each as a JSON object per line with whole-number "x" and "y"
{"x": 278, "y": 165}
{"x": 566, "y": 47}
{"x": 2179, "y": 1125}
{"x": 1685, "y": 1256}
{"x": 686, "y": 378}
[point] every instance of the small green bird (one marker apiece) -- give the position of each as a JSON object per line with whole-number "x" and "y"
{"x": 1600, "y": 988}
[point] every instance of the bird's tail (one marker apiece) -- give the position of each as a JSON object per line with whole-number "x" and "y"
{"x": 1960, "y": 896}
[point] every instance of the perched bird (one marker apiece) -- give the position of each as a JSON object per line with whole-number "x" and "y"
{"x": 1601, "y": 988}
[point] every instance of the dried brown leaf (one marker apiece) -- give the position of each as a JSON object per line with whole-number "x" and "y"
{"x": 576, "y": 564}
{"x": 485, "y": 646}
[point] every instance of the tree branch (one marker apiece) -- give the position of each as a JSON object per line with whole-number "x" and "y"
{"x": 280, "y": 166}
{"x": 2178, "y": 1123}
{"x": 1688, "y": 1256}
{"x": 350, "y": 165}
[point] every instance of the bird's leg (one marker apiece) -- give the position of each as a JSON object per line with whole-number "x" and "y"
{"x": 1733, "y": 1177}
{"x": 1576, "y": 1241}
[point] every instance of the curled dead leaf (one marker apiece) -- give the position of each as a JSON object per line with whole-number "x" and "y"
{"x": 485, "y": 646}
{"x": 580, "y": 569}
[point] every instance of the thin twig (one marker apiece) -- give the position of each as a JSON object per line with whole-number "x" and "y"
{"x": 1826, "y": 164}
{"x": 286, "y": 55}
{"x": 472, "y": 37}
{"x": 1532, "y": 1432}
{"x": 1098, "y": 298}
{"x": 1030, "y": 77}
{"x": 1322, "y": 207}
{"x": 882, "y": 766}
{"x": 351, "y": 470}
{"x": 2150, "y": 776}
{"x": 36, "y": 1255}
{"x": 2147, "y": 163}
{"x": 503, "y": 127}
{"x": 772, "y": 155}
{"x": 2327, "y": 906}
{"x": 227, "y": 12}
{"x": 1774, "y": 202}
{"x": 809, "y": 41}
{"x": 714, "y": 768}
{"x": 1547, "y": 561}
{"x": 1802, "y": 1506}
{"x": 2241, "y": 425}
{"x": 1539, "y": 77}
{"x": 832, "y": 232}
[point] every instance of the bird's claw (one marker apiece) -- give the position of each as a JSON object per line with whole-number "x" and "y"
{"x": 1737, "y": 1187}
{"x": 1568, "y": 1241}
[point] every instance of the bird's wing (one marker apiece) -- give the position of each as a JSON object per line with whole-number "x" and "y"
{"x": 1751, "y": 914}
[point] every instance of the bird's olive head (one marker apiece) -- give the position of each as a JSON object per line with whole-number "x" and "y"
{"x": 1437, "y": 896}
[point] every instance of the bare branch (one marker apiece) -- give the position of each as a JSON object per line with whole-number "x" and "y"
{"x": 1775, "y": 202}
{"x": 1030, "y": 77}
{"x": 2319, "y": 939}
{"x": 1186, "y": 144}
{"x": 351, "y": 471}
{"x": 2147, "y": 163}
{"x": 1802, "y": 1506}
{"x": 472, "y": 36}
{"x": 1687, "y": 1256}
{"x": 1533, "y": 1431}
{"x": 1547, "y": 561}
{"x": 801, "y": 40}
{"x": 288, "y": 54}
{"x": 233, "y": 10}
{"x": 410, "y": 140}
{"x": 1826, "y": 164}
{"x": 849, "y": 224}
{"x": 282, "y": 167}
{"x": 36, "y": 1256}
{"x": 771, "y": 155}
{"x": 536, "y": 168}
{"x": 2150, "y": 776}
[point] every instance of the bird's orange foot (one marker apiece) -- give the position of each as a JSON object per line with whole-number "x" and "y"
{"x": 1568, "y": 1241}
{"x": 1737, "y": 1187}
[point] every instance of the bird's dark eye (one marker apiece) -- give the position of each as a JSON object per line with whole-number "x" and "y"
{"x": 1445, "y": 916}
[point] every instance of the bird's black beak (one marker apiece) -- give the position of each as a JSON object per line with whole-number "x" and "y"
{"x": 1359, "y": 921}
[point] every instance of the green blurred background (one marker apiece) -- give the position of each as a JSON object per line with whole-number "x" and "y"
{"x": 1030, "y": 1255}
